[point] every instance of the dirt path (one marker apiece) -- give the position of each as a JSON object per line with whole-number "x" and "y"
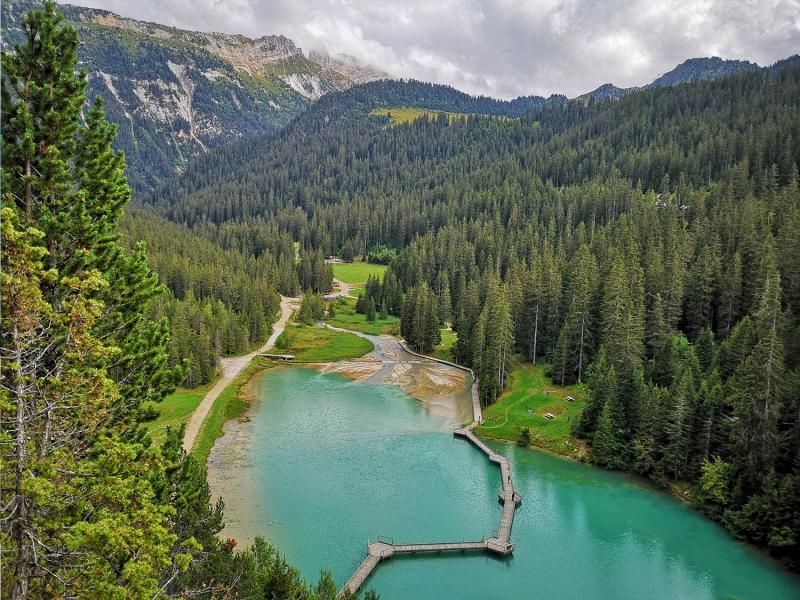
{"x": 231, "y": 367}
{"x": 344, "y": 288}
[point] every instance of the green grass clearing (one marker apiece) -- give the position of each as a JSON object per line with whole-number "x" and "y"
{"x": 175, "y": 410}
{"x": 356, "y": 273}
{"x": 442, "y": 350}
{"x": 346, "y": 317}
{"x": 531, "y": 390}
{"x": 406, "y": 114}
{"x": 315, "y": 344}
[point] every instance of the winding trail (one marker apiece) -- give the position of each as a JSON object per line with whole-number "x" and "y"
{"x": 231, "y": 367}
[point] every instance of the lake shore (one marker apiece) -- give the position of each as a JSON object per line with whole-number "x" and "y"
{"x": 442, "y": 391}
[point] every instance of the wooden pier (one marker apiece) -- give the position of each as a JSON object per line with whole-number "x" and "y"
{"x": 381, "y": 550}
{"x": 499, "y": 543}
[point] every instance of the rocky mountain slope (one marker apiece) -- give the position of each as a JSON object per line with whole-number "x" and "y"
{"x": 176, "y": 93}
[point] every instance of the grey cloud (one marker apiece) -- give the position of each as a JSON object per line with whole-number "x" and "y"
{"x": 504, "y": 48}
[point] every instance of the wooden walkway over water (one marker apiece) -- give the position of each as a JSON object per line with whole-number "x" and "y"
{"x": 499, "y": 543}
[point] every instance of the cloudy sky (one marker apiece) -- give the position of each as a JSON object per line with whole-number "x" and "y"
{"x": 503, "y": 48}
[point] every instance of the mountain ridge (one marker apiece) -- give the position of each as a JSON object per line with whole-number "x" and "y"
{"x": 707, "y": 68}
{"x": 175, "y": 93}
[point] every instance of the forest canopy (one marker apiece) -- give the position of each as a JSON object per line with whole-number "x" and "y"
{"x": 646, "y": 247}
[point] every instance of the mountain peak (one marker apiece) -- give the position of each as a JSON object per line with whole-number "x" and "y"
{"x": 605, "y": 92}
{"x": 703, "y": 69}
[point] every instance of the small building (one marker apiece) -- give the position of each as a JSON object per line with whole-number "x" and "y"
{"x": 549, "y": 416}
{"x": 332, "y": 260}
{"x": 569, "y": 399}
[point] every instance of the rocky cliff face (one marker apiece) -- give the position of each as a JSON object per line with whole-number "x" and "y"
{"x": 176, "y": 93}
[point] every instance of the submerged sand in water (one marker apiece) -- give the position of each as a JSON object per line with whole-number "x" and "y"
{"x": 442, "y": 389}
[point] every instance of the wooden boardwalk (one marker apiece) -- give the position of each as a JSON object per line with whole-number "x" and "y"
{"x": 276, "y": 356}
{"x": 381, "y": 550}
{"x": 499, "y": 543}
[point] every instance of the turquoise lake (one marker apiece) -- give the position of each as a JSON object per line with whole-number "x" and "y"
{"x": 327, "y": 463}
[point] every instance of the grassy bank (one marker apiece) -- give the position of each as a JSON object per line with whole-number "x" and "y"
{"x": 309, "y": 344}
{"x": 175, "y": 410}
{"x": 230, "y": 404}
{"x": 531, "y": 395}
{"x": 346, "y": 317}
{"x": 314, "y": 344}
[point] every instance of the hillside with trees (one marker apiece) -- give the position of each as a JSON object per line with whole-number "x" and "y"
{"x": 645, "y": 246}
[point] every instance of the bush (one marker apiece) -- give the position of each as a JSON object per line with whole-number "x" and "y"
{"x": 285, "y": 340}
{"x": 148, "y": 411}
{"x": 524, "y": 438}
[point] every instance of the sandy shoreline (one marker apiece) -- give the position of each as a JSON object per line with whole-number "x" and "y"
{"x": 443, "y": 390}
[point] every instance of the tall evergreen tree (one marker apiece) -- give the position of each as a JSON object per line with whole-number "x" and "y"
{"x": 757, "y": 386}
{"x": 78, "y": 357}
{"x": 576, "y": 340}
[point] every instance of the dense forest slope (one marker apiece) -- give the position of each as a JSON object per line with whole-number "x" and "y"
{"x": 220, "y": 302}
{"x": 175, "y": 93}
{"x": 646, "y": 246}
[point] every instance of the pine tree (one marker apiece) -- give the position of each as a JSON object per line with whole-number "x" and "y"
{"x": 493, "y": 341}
{"x": 757, "y": 386}
{"x": 576, "y": 340}
{"x": 706, "y": 348}
{"x": 699, "y": 292}
{"x": 78, "y": 356}
{"x": 605, "y": 448}
{"x": 679, "y": 427}
{"x": 602, "y": 387}
{"x": 622, "y": 327}
{"x": 730, "y": 297}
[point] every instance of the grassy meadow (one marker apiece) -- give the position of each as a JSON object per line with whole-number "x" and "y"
{"x": 315, "y": 344}
{"x": 406, "y": 114}
{"x": 531, "y": 395}
{"x": 175, "y": 410}
{"x": 356, "y": 273}
{"x": 346, "y": 317}
{"x": 442, "y": 349}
